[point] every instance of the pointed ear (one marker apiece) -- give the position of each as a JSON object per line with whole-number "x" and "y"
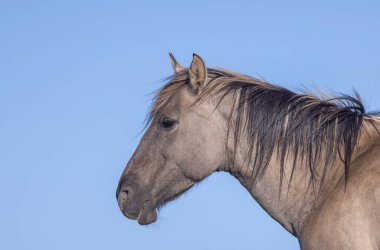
{"x": 176, "y": 66}
{"x": 198, "y": 73}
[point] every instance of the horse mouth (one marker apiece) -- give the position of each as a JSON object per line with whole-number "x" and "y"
{"x": 145, "y": 216}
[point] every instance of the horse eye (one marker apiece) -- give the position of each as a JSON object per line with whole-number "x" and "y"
{"x": 167, "y": 123}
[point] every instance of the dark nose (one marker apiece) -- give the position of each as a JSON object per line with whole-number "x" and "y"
{"x": 122, "y": 194}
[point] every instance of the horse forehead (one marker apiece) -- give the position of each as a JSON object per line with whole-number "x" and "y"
{"x": 182, "y": 99}
{"x": 185, "y": 100}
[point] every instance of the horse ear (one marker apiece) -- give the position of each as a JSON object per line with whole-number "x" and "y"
{"x": 176, "y": 66}
{"x": 198, "y": 73}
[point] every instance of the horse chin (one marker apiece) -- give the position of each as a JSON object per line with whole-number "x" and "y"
{"x": 147, "y": 216}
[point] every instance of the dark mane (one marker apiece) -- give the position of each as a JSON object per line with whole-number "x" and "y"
{"x": 278, "y": 121}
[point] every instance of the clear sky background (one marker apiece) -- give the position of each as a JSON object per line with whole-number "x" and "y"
{"x": 75, "y": 78}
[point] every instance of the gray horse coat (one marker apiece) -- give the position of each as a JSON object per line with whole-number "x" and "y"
{"x": 312, "y": 163}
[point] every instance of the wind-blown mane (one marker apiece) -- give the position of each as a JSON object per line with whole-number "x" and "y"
{"x": 275, "y": 120}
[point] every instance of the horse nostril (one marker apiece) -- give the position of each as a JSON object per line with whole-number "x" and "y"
{"x": 124, "y": 194}
{"x": 128, "y": 191}
{"x": 122, "y": 199}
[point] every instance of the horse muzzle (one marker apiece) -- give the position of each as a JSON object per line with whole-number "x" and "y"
{"x": 135, "y": 208}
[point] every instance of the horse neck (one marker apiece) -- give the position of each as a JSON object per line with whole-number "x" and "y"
{"x": 291, "y": 204}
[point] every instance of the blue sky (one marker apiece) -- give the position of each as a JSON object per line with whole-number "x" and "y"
{"x": 75, "y": 78}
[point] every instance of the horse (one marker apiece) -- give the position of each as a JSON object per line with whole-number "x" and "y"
{"x": 311, "y": 161}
